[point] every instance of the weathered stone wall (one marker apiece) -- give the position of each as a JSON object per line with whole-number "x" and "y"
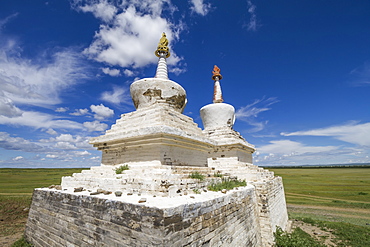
{"x": 272, "y": 208}
{"x": 66, "y": 219}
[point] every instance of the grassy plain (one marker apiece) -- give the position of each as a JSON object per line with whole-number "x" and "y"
{"x": 16, "y": 186}
{"x": 329, "y": 194}
{"x": 334, "y": 194}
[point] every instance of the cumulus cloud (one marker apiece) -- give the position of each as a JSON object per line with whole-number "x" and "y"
{"x": 101, "y": 10}
{"x": 50, "y": 131}
{"x": 352, "y": 132}
{"x": 95, "y": 126}
{"x": 127, "y": 28}
{"x": 129, "y": 73}
{"x": 199, "y": 7}
{"x": 82, "y": 153}
{"x": 252, "y": 25}
{"x": 62, "y": 109}
{"x": 250, "y": 112}
{"x": 111, "y": 72}
{"x": 79, "y": 112}
{"x": 18, "y": 158}
{"x": 117, "y": 96}
{"x": 68, "y": 142}
{"x": 101, "y": 111}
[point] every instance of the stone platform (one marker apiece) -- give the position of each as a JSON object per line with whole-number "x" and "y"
{"x": 65, "y": 218}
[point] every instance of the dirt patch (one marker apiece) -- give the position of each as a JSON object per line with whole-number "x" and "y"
{"x": 7, "y": 241}
{"x": 315, "y": 232}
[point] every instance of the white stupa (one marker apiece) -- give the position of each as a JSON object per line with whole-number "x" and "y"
{"x": 157, "y": 201}
{"x": 218, "y": 121}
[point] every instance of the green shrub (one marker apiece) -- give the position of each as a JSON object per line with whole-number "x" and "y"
{"x": 196, "y": 175}
{"x": 227, "y": 184}
{"x": 120, "y": 169}
{"x": 22, "y": 242}
{"x": 297, "y": 238}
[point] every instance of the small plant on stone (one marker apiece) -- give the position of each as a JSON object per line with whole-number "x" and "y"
{"x": 218, "y": 174}
{"x": 197, "y": 175}
{"x": 227, "y": 184}
{"x": 196, "y": 191}
{"x": 120, "y": 169}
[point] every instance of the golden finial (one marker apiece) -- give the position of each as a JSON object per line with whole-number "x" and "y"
{"x": 163, "y": 47}
{"x": 216, "y": 73}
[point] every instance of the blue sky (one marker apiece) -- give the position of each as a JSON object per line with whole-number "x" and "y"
{"x": 297, "y": 73}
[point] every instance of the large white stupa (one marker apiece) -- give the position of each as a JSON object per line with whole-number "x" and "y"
{"x": 156, "y": 201}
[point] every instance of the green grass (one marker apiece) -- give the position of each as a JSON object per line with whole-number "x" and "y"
{"x": 23, "y": 181}
{"x": 297, "y": 238}
{"x": 197, "y": 175}
{"x": 346, "y": 234}
{"x": 227, "y": 184}
{"x": 120, "y": 169}
{"x": 333, "y": 187}
{"x": 22, "y": 243}
{"x": 16, "y": 187}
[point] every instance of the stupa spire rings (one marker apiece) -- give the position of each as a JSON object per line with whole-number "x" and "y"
{"x": 162, "y": 49}
{"x": 216, "y": 73}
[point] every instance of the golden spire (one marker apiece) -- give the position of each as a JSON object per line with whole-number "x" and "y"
{"x": 216, "y": 73}
{"x": 163, "y": 47}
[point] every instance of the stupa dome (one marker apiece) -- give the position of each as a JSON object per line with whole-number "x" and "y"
{"x": 218, "y": 114}
{"x": 149, "y": 91}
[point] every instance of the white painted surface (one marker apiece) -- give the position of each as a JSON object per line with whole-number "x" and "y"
{"x": 217, "y": 115}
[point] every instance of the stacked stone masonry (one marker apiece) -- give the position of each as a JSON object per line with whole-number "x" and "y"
{"x": 66, "y": 219}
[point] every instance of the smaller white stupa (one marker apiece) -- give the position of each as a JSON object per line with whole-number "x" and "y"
{"x": 218, "y": 121}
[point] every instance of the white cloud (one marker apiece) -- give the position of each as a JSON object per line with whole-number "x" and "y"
{"x": 177, "y": 70}
{"x": 8, "y": 142}
{"x": 50, "y": 131}
{"x": 252, "y": 25}
{"x": 52, "y": 156}
{"x": 133, "y": 26}
{"x": 40, "y": 81}
{"x": 68, "y": 142}
{"x": 111, "y": 72}
{"x": 95, "y": 126}
{"x": 128, "y": 73}
{"x": 287, "y": 147}
{"x": 6, "y": 20}
{"x": 18, "y": 158}
{"x": 101, "y": 111}
{"x": 352, "y": 132}
{"x": 82, "y": 153}
{"x": 62, "y": 109}
{"x": 39, "y": 120}
{"x": 250, "y": 112}
{"x": 199, "y": 7}
{"x": 7, "y": 107}
{"x": 102, "y": 10}
{"x": 117, "y": 96}
{"x": 79, "y": 112}
{"x": 361, "y": 75}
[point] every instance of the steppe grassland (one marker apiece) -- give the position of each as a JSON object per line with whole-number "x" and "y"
{"x": 16, "y": 186}
{"x": 334, "y": 194}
